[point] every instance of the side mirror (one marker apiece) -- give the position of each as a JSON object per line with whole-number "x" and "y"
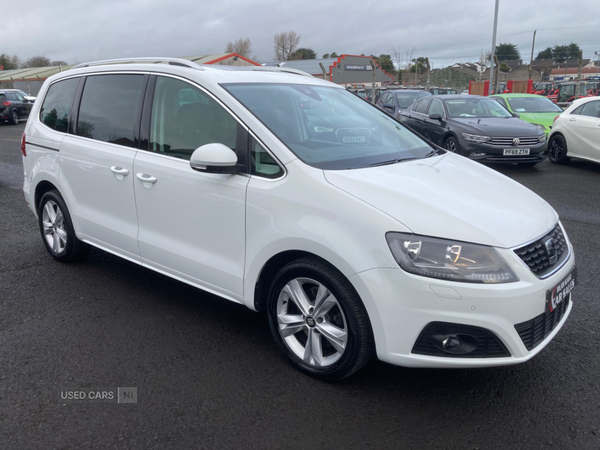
{"x": 215, "y": 158}
{"x": 435, "y": 117}
{"x": 388, "y": 106}
{"x": 516, "y": 115}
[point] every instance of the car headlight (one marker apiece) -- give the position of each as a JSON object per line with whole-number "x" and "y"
{"x": 449, "y": 260}
{"x": 541, "y": 137}
{"x": 476, "y": 138}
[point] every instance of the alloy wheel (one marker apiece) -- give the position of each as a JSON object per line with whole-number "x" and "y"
{"x": 311, "y": 322}
{"x": 54, "y": 227}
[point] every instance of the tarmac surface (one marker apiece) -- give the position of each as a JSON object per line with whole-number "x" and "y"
{"x": 208, "y": 374}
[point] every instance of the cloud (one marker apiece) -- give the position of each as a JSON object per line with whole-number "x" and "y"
{"x": 78, "y": 30}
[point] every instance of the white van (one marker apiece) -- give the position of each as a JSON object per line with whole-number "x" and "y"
{"x": 292, "y": 196}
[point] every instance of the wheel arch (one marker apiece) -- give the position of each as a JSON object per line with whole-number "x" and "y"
{"x": 270, "y": 268}
{"x": 41, "y": 188}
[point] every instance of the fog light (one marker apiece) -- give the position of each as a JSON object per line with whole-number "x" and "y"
{"x": 476, "y": 154}
{"x": 455, "y": 344}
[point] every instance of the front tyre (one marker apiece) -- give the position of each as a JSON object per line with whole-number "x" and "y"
{"x": 451, "y": 144}
{"x": 557, "y": 152}
{"x": 318, "y": 320}
{"x": 57, "y": 229}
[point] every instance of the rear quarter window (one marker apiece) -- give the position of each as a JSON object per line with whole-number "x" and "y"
{"x": 56, "y": 108}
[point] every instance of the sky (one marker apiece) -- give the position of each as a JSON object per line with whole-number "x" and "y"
{"x": 446, "y": 32}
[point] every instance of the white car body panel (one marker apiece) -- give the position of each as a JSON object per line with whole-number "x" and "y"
{"x": 180, "y": 216}
{"x": 582, "y": 133}
{"x": 428, "y": 197}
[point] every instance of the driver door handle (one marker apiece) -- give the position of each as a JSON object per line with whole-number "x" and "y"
{"x": 146, "y": 178}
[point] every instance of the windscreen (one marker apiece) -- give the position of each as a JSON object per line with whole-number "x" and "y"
{"x": 475, "y": 107}
{"x": 533, "y": 105}
{"x": 327, "y": 127}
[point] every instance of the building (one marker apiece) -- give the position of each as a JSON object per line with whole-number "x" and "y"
{"x": 345, "y": 70}
{"x": 31, "y": 79}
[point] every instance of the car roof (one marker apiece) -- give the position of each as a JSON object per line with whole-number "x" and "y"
{"x": 210, "y": 74}
{"x": 516, "y": 95}
{"x": 457, "y": 97}
{"x": 412, "y": 91}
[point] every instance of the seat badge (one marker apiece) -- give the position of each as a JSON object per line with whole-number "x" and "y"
{"x": 551, "y": 250}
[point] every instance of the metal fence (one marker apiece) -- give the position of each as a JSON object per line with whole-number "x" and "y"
{"x": 29, "y": 87}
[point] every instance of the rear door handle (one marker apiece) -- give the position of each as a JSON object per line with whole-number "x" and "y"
{"x": 145, "y": 178}
{"x": 120, "y": 172}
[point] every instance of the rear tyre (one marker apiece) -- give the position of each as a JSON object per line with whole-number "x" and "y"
{"x": 318, "y": 320}
{"x": 14, "y": 118}
{"x": 558, "y": 150}
{"x": 57, "y": 229}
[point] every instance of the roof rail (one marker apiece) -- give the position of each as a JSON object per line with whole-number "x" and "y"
{"x": 153, "y": 60}
{"x": 283, "y": 69}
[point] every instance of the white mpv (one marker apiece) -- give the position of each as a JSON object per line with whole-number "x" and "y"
{"x": 290, "y": 195}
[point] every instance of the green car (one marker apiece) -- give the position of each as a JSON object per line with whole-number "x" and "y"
{"x": 532, "y": 108}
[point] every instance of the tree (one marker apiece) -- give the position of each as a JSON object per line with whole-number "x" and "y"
{"x": 9, "y": 62}
{"x": 504, "y": 68}
{"x": 421, "y": 63}
{"x": 385, "y": 62}
{"x": 37, "y": 61}
{"x": 507, "y": 52}
{"x": 325, "y": 55}
{"x": 59, "y": 63}
{"x": 241, "y": 46}
{"x": 334, "y": 55}
{"x": 303, "y": 53}
{"x": 285, "y": 43}
{"x": 545, "y": 54}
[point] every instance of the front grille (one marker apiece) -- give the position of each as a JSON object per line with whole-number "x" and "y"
{"x": 489, "y": 346}
{"x": 537, "y": 329}
{"x": 508, "y": 142}
{"x": 535, "y": 255}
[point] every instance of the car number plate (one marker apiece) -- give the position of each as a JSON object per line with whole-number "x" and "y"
{"x": 353, "y": 139}
{"x": 516, "y": 151}
{"x": 561, "y": 291}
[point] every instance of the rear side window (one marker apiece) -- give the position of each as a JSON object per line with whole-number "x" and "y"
{"x": 591, "y": 109}
{"x": 422, "y": 106}
{"x": 109, "y": 107}
{"x": 54, "y": 112}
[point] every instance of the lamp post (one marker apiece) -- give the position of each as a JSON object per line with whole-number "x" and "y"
{"x": 493, "y": 47}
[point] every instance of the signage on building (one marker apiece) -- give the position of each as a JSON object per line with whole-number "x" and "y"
{"x": 348, "y": 67}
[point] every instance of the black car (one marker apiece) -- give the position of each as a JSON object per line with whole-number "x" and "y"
{"x": 13, "y": 106}
{"x": 394, "y": 100}
{"x": 476, "y": 127}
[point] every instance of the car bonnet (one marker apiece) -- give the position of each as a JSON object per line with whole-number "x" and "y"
{"x": 451, "y": 197}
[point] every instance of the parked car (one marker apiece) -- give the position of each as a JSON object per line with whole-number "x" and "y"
{"x": 289, "y": 195}
{"x": 28, "y": 97}
{"x": 442, "y": 91}
{"x": 532, "y": 108}
{"x": 476, "y": 127}
{"x": 576, "y": 132}
{"x": 13, "y": 106}
{"x": 393, "y": 101}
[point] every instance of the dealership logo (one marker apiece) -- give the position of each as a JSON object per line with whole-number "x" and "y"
{"x": 551, "y": 250}
{"x": 516, "y": 141}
